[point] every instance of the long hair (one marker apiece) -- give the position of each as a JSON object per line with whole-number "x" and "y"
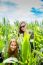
{"x": 20, "y": 31}
{"x": 15, "y": 52}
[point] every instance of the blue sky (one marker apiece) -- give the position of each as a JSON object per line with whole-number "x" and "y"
{"x": 28, "y": 10}
{"x": 41, "y": 0}
{"x": 37, "y": 12}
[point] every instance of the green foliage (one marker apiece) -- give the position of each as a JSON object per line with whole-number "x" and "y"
{"x": 25, "y": 48}
{"x": 8, "y": 31}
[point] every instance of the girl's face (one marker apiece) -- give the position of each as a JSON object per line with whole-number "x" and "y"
{"x": 13, "y": 45}
{"x": 23, "y": 27}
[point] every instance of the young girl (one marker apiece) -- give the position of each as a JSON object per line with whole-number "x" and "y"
{"x": 12, "y": 50}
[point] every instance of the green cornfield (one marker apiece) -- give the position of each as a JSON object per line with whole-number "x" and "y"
{"x": 7, "y": 31}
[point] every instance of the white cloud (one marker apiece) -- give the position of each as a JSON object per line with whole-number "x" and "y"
{"x": 22, "y": 12}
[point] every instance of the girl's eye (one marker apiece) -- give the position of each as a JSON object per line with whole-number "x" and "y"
{"x": 12, "y": 41}
{"x": 14, "y": 45}
{"x": 11, "y": 45}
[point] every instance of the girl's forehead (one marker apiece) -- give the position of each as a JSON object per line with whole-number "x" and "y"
{"x": 13, "y": 43}
{"x": 22, "y": 24}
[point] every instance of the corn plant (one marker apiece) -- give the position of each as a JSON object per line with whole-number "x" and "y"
{"x": 8, "y": 31}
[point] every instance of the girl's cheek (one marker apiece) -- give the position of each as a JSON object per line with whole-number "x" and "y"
{"x": 15, "y": 47}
